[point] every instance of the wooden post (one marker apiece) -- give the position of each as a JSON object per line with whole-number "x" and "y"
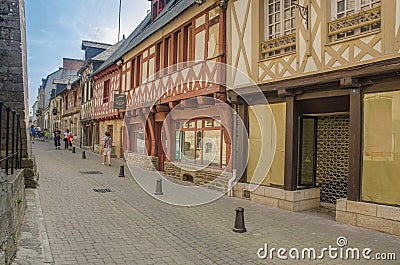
{"x": 354, "y": 188}
{"x": 291, "y": 148}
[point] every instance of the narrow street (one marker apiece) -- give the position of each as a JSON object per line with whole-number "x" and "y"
{"x": 128, "y": 226}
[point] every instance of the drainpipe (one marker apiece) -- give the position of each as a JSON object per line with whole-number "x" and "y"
{"x": 234, "y": 152}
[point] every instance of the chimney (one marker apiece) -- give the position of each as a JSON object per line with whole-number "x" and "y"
{"x": 72, "y": 64}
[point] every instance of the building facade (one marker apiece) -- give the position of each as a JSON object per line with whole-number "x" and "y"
{"x": 106, "y": 84}
{"x": 170, "y": 72}
{"x": 70, "y": 110}
{"x": 329, "y": 70}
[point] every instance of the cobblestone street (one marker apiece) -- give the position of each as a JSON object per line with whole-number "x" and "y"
{"x": 127, "y": 226}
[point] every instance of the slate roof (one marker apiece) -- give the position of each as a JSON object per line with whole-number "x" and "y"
{"x": 107, "y": 53}
{"x": 68, "y": 76}
{"x": 146, "y": 28}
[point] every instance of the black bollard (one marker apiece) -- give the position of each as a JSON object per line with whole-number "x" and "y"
{"x": 121, "y": 172}
{"x": 73, "y": 149}
{"x": 239, "y": 221}
{"x": 158, "y": 187}
{"x": 83, "y": 155}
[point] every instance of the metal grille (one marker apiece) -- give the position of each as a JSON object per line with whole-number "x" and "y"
{"x": 91, "y": 172}
{"x": 333, "y": 157}
{"x": 102, "y": 190}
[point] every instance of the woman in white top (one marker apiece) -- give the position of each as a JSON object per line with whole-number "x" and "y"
{"x": 65, "y": 139}
{"x": 106, "y": 148}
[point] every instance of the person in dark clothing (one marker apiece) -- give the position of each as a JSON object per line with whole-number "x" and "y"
{"x": 57, "y": 134}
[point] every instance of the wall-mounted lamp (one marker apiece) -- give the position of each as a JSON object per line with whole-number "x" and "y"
{"x": 303, "y": 11}
{"x": 199, "y": 2}
{"x": 223, "y": 4}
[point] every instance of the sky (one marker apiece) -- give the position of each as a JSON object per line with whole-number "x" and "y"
{"x": 56, "y": 28}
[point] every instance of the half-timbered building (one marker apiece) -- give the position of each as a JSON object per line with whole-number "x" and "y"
{"x": 70, "y": 112}
{"x": 329, "y": 70}
{"x": 170, "y": 74}
{"x": 106, "y": 82}
{"x": 95, "y": 55}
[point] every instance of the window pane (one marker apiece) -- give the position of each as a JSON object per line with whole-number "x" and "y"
{"x": 187, "y": 141}
{"x": 340, "y": 6}
{"x": 271, "y": 20}
{"x": 350, "y": 4}
{"x": 178, "y": 147}
{"x": 287, "y": 14}
{"x": 287, "y": 24}
{"x": 270, "y": 9}
{"x": 223, "y": 152}
{"x": 277, "y": 6}
{"x": 139, "y": 142}
{"x": 278, "y": 27}
{"x": 212, "y": 148}
{"x": 287, "y": 3}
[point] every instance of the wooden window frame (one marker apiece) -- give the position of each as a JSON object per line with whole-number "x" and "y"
{"x": 357, "y": 8}
{"x": 106, "y": 91}
{"x": 203, "y": 129}
{"x": 278, "y": 18}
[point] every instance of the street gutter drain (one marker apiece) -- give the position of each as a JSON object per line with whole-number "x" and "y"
{"x": 102, "y": 190}
{"x": 91, "y": 172}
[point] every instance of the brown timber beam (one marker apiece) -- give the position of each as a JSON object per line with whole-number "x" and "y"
{"x": 291, "y": 138}
{"x": 354, "y": 188}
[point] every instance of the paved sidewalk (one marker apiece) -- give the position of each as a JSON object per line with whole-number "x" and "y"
{"x": 128, "y": 226}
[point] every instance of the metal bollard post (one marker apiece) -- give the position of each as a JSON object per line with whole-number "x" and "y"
{"x": 239, "y": 221}
{"x": 121, "y": 172}
{"x": 73, "y": 149}
{"x": 159, "y": 187}
{"x": 83, "y": 155}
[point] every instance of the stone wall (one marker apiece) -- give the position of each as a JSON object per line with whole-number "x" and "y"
{"x": 142, "y": 161}
{"x": 211, "y": 178}
{"x": 13, "y": 70}
{"x": 12, "y": 209}
{"x": 298, "y": 200}
{"x": 369, "y": 215}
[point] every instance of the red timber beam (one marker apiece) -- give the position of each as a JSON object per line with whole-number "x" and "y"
{"x": 150, "y": 141}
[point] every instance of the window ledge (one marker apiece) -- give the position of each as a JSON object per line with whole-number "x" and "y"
{"x": 269, "y": 58}
{"x": 357, "y": 36}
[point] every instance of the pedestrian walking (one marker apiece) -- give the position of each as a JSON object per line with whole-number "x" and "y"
{"x": 106, "y": 149}
{"x": 33, "y": 133}
{"x": 69, "y": 140}
{"x": 46, "y": 134}
{"x": 57, "y": 136}
{"x": 65, "y": 139}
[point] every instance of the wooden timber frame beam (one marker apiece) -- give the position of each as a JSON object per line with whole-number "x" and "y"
{"x": 320, "y": 80}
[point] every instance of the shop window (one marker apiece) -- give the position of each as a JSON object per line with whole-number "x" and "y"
{"x": 201, "y": 142}
{"x": 138, "y": 143}
{"x": 381, "y": 148}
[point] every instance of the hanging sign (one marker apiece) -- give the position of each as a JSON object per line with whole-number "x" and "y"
{"x": 120, "y": 101}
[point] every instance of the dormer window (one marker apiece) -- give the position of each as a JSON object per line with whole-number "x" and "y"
{"x": 156, "y": 7}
